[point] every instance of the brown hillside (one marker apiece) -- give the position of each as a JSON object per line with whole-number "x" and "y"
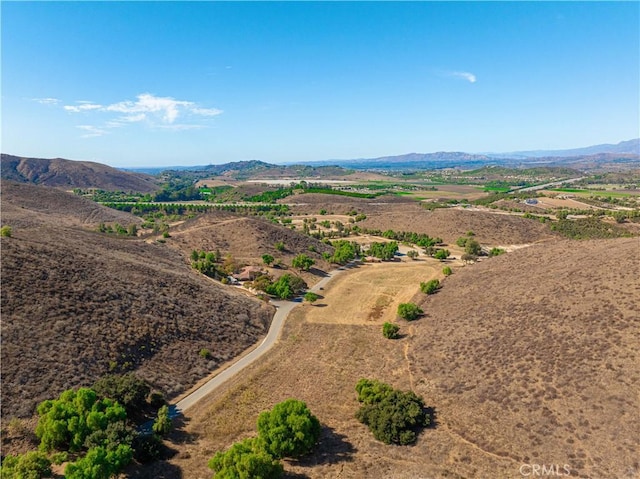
{"x": 68, "y": 174}
{"x": 245, "y": 238}
{"x": 402, "y": 214}
{"x": 528, "y": 358}
{"x": 25, "y": 205}
{"x": 77, "y": 304}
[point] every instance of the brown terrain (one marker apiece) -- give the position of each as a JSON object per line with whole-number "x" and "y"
{"x": 402, "y": 214}
{"x": 246, "y": 238}
{"x": 70, "y": 174}
{"x": 77, "y": 304}
{"x": 527, "y": 358}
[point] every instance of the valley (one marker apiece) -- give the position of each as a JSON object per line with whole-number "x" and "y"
{"x": 527, "y": 351}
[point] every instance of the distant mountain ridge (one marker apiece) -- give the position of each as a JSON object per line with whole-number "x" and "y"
{"x": 61, "y": 173}
{"x": 629, "y": 147}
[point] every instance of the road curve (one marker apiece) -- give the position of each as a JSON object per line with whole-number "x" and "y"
{"x": 282, "y": 311}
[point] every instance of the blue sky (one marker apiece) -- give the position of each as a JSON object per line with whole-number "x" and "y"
{"x": 178, "y": 83}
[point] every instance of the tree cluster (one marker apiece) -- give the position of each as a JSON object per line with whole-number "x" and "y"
{"x": 384, "y": 251}
{"x": 288, "y": 430}
{"x": 394, "y": 417}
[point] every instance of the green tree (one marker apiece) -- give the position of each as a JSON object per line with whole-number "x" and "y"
{"x": 65, "y": 423}
{"x": 430, "y": 287}
{"x": 162, "y": 425}
{"x": 6, "y": 231}
{"x": 244, "y": 460}
{"x": 413, "y": 254}
{"x": 99, "y": 463}
{"x": 311, "y": 297}
{"x": 286, "y": 286}
{"x": 32, "y": 465}
{"x": 447, "y": 271}
{"x": 390, "y": 330}
{"x": 442, "y": 254}
{"x": 288, "y": 430}
{"x": 409, "y": 311}
{"x": 462, "y": 241}
{"x": 394, "y": 417}
{"x": 472, "y": 247}
{"x": 126, "y": 389}
{"x": 267, "y": 259}
{"x": 302, "y": 262}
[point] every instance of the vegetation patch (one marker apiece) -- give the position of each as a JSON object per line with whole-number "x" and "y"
{"x": 394, "y": 417}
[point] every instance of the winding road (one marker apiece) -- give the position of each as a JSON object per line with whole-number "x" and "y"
{"x": 282, "y": 311}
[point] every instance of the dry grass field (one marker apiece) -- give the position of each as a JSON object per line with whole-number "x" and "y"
{"x": 528, "y": 358}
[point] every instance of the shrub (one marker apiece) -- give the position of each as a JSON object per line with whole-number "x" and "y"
{"x": 311, "y": 297}
{"x": 205, "y": 353}
{"x": 6, "y": 231}
{"x": 413, "y": 254}
{"x": 430, "y": 287}
{"x": 126, "y": 389}
{"x": 442, "y": 254}
{"x": 267, "y": 259}
{"x": 303, "y": 262}
{"x": 279, "y": 246}
{"x": 409, "y": 311}
{"x": 496, "y": 252}
{"x": 99, "y": 463}
{"x": 245, "y": 460}
{"x": 32, "y": 465}
{"x": 390, "y": 330}
{"x": 472, "y": 247}
{"x": 288, "y": 430}
{"x": 162, "y": 425}
{"x": 147, "y": 448}
{"x": 394, "y": 417}
{"x": 462, "y": 241}
{"x": 447, "y": 271}
{"x": 65, "y": 423}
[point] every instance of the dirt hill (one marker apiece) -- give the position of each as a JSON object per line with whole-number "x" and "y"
{"x": 402, "y": 214}
{"x": 246, "y": 238}
{"x": 26, "y": 205}
{"x": 77, "y": 304}
{"x": 69, "y": 174}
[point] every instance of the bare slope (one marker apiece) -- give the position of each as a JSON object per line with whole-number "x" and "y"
{"x": 528, "y": 358}
{"x": 26, "y": 205}
{"x": 246, "y": 238}
{"x": 68, "y": 174}
{"x": 77, "y": 304}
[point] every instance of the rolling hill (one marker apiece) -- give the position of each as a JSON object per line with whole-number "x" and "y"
{"x": 77, "y": 304}
{"x": 69, "y": 174}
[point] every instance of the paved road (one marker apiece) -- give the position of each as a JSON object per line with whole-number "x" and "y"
{"x": 547, "y": 185}
{"x": 282, "y": 311}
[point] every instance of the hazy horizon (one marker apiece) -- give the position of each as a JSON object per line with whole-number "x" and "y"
{"x": 143, "y": 84}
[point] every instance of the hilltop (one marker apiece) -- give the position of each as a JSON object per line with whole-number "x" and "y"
{"x": 68, "y": 174}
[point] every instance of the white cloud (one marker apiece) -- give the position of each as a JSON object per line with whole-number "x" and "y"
{"x": 470, "y": 77}
{"x": 82, "y": 106}
{"x": 92, "y": 131}
{"x": 46, "y": 101}
{"x": 154, "y": 111}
